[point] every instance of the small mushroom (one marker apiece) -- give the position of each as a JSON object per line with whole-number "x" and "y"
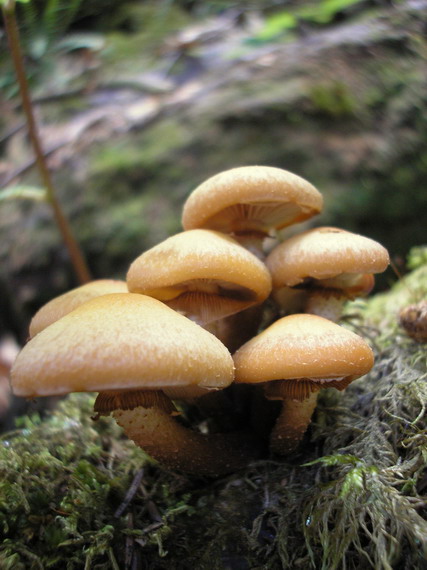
{"x": 131, "y": 348}
{"x": 64, "y": 304}
{"x": 203, "y": 274}
{"x": 329, "y": 265}
{"x": 294, "y": 358}
{"x": 413, "y": 319}
{"x": 249, "y": 202}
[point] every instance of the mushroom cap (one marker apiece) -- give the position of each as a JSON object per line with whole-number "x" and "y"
{"x": 117, "y": 342}
{"x": 324, "y": 253}
{"x": 64, "y": 304}
{"x": 303, "y": 346}
{"x": 204, "y": 261}
{"x": 251, "y": 198}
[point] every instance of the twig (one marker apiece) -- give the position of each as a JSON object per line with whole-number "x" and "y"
{"x": 130, "y": 494}
{"x": 129, "y": 544}
{"x": 71, "y": 244}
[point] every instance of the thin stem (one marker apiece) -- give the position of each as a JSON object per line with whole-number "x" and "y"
{"x": 71, "y": 244}
{"x": 292, "y": 424}
{"x": 325, "y": 304}
{"x": 253, "y": 242}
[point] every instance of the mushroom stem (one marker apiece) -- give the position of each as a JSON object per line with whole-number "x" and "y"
{"x": 328, "y": 298}
{"x": 236, "y": 329}
{"x": 326, "y": 304}
{"x": 252, "y": 241}
{"x": 292, "y": 424}
{"x": 179, "y": 448}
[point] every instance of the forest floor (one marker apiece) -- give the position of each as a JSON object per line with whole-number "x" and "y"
{"x": 343, "y": 106}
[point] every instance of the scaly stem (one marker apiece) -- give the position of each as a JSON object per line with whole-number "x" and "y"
{"x": 71, "y": 244}
{"x": 178, "y": 447}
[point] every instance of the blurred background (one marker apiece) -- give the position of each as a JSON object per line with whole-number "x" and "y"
{"x": 138, "y": 102}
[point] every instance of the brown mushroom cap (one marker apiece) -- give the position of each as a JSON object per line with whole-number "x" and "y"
{"x": 325, "y": 253}
{"x": 303, "y": 346}
{"x": 64, "y": 304}
{"x": 202, "y": 273}
{"x": 120, "y": 341}
{"x": 251, "y": 199}
{"x": 413, "y": 319}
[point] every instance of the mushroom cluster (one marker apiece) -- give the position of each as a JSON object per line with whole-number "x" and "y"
{"x": 209, "y": 324}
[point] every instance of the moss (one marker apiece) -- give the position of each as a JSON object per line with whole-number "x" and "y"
{"x": 367, "y": 506}
{"x": 417, "y": 257}
{"x": 125, "y": 166}
{"x": 75, "y": 493}
{"x": 333, "y": 100}
{"x": 62, "y": 481}
{"x": 134, "y": 224}
{"x": 380, "y": 315}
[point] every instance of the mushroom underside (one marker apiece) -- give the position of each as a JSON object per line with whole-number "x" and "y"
{"x": 256, "y": 217}
{"x": 301, "y": 388}
{"x": 207, "y": 300}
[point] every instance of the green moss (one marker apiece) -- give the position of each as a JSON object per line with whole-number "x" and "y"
{"x": 367, "y": 504}
{"x": 417, "y": 257}
{"x": 333, "y": 100}
{"x": 62, "y": 481}
{"x": 75, "y": 493}
{"x": 380, "y": 315}
{"x": 136, "y": 157}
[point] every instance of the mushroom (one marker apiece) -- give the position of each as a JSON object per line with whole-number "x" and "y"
{"x": 64, "y": 304}
{"x": 211, "y": 279}
{"x": 294, "y": 358}
{"x": 329, "y": 265}
{"x": 130, "y": 348}
{"x": 249, "y": 202}
{"x": 203, "y": 274}
{"x": 413, "y": 319}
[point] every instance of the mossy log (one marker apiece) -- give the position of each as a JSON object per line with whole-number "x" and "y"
{"x": 75, "y": 493}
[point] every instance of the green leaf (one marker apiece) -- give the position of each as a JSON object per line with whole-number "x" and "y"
{"x": 23, "y": 193}
{"x": 324, "y": 12}
{"x": 278, "y": 24}
{"x": 287, "y": 20}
